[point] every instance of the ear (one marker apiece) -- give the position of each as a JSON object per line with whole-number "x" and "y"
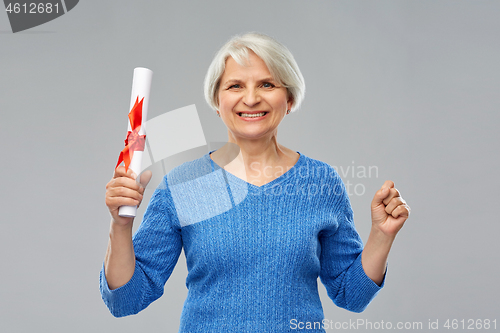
{"x": 289, "y": 103}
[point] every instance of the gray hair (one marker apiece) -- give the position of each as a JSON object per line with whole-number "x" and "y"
{"x": 278, "y": 59}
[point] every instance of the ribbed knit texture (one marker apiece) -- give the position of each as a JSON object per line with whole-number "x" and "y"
{"x": 253, "y": 254}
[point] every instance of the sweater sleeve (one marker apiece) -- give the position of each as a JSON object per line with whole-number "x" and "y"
{"x": 157, "y": 246}
{"x": 341, "y": 271}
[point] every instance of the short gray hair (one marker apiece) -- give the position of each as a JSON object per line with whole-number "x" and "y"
{"x": 278, "y": 59}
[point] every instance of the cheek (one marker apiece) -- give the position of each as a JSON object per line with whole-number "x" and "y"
{"x": 225, "y": 102}
{"x": 280, "y": 102}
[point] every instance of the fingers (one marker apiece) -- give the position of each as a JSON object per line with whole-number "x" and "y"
{"x": 123, "y": 189}
{"x": 126, "y": 182}
{"x": 393, "y": 204}
{"x": 124, "y": 192}
{"x": 144, "y": 178}
{"x": 393, "y": 193}
{"x": 402, "y": 210}
{"x": 388, "y": 183}
{"x": 117, "y": 196}
{"x": 115, "y": 202}
{"x": 121, "y": 172}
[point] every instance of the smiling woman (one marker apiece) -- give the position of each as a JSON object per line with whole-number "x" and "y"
{"x": 257, "y": 223}
{"x": 252, "y": 103}
{"x": 279, "y": 61}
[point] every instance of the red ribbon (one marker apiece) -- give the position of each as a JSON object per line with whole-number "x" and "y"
{"x": 133, "y": 141}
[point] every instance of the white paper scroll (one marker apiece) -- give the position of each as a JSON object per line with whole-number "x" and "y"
{"x": 141, "y": 87}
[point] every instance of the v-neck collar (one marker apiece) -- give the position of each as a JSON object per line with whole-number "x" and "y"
{"x": 272, "y": 183}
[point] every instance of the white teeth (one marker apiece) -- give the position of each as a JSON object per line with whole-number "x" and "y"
{"x": 252, "y": 115}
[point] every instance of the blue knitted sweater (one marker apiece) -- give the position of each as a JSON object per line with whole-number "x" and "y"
{"x": 253, "y": 253}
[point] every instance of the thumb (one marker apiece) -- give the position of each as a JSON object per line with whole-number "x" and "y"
{"x": 380, "y": 195}
{"x": 145, "y": 178}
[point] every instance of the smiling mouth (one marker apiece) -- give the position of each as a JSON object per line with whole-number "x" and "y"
{"x": 251, "y": 115}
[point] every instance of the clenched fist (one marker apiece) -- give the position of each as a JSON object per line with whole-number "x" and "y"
{"x": 389, "y": 210}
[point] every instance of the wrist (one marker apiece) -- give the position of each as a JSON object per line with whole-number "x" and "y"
{"x": 120, "y": 228}
{"x": 380, "y": 238}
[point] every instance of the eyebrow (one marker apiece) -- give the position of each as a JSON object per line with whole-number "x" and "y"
{"x": 231, "y": 82}
{"x": 234, "y": 81}
{"x": 268, "y": 79}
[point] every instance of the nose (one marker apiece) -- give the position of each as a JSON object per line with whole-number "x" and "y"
{"x": 251, "y": 97}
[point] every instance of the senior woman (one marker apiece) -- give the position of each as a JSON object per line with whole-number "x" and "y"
{"x": 259, "y": 222}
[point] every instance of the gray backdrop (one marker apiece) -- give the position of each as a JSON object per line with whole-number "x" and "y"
{"x": 410, "y": 88}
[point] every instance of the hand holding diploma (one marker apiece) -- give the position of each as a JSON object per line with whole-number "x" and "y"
{"x": 124, "y": 190}
{"x": 123, "y": 193}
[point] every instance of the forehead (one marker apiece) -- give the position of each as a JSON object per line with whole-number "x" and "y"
{"x": 253, "y": 68}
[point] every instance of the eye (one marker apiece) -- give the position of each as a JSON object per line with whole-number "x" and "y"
{"x": 234, "y": 86}
{"x": 268, "y": 85}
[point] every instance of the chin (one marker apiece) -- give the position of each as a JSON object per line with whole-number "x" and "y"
{"x": 252, "y": 135}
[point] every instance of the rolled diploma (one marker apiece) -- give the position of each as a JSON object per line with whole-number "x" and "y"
{"x": 141, "y": 86}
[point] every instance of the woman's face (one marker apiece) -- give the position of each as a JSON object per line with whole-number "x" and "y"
{"x": 251, "y": 103}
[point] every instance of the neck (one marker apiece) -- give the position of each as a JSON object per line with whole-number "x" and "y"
{"x": 257, "y": 161}
{"x": 265, "y": 151}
